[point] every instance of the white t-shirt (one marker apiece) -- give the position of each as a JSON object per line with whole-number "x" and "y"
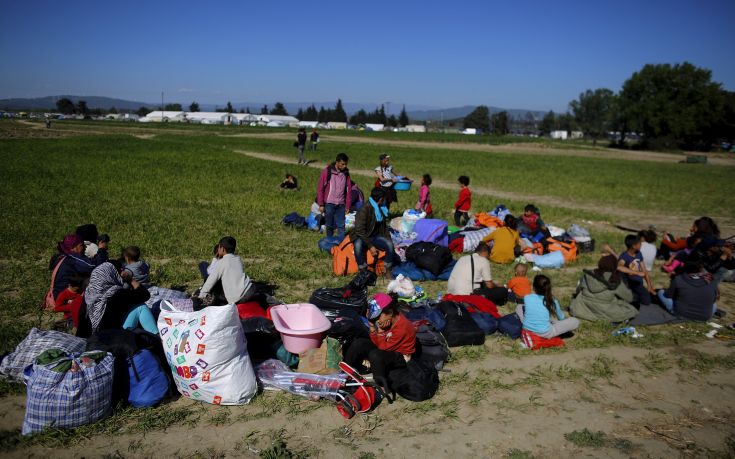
{"x": 460, "y": 282}
{"x": 648, "y": 251}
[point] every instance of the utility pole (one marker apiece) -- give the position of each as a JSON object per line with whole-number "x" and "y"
{"x": 162, "y": 106}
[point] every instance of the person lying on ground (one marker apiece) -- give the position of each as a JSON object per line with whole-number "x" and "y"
{"x": 227, "y": 283}
{"x": 392, "y": 340}
{"x": 602, "y": 295}
{"x": 691, "y": 294}
{"x": 472, "y": 275}
{"x": 371, "y": 232}
{"x": 630, "y": 264}
{"x": 506, "y": 241}
{"x": 541, "y": 313}
{"x": 108, "y": 305}
{"x": 73, "y": 261}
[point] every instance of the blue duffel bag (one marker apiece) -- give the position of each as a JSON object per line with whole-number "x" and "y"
{"x": 148, "y": 381}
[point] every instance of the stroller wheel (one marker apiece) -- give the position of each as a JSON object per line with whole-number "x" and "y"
{"x": 345, "y": 409}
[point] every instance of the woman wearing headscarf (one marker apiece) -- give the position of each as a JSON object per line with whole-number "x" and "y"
{"x": 602, "y": 296}
{"x": 108, "y": 304}
{"x": 72, "y": 261}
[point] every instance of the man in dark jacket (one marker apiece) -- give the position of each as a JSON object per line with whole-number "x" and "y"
{"x": 691, "y": 294}
{"x": 371, "y": 231}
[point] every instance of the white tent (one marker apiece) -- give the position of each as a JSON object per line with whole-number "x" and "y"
{"x": 278, "y": 120}
{"x": 165, "y": 116}
{"x": 374, "y": 126}
{"x": 210, "y": 117}
{"x": 245, "y": 118}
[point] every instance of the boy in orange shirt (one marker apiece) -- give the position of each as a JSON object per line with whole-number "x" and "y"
{"x": 519, "y": 286}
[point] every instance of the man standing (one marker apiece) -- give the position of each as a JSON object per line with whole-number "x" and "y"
{"x": 314, "y": 138}
{"x": 301, "y": 144}
{"x": 334, "y": 194}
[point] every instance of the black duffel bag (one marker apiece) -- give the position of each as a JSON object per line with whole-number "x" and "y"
{"x": 416, "y": 382}
{"x": 461, "y": 329}
{"x": 429, "y": 256}
{"x": 331, "y": 300}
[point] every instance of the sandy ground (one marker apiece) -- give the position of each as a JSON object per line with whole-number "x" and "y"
{"x": 643, "y": 413}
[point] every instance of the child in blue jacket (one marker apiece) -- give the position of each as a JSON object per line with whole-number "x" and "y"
{"x": 537, "y": 314}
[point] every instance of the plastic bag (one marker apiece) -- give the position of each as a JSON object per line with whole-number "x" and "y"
{"x": 275, "y": 375}
{"x": 410, "y": 217}
{"x": 402, "y": 286}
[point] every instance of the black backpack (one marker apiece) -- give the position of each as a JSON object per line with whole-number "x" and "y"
{"x": 433, "y": 349}
{"x": 416, "y": 381}
{"x": 461, "y": 329}
{"x": 429, "y": 256}
{"x": 295, "y": 220}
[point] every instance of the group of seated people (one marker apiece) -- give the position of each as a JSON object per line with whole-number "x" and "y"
{"x": 97, "y": 292}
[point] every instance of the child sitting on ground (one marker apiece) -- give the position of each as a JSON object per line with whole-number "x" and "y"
{"x": 227, "y": 283}
{"x": 519, "y": 286}
{"x": 648, "y": 248}
{"x": 532, "y": 226}
{"x": 134, "y": 267}
{"x": 424, "y": 202}
{"x": 70, "y": 299}
{"x": 391, "y": 344}
{"x": 289, "y": 183}
{"x": 630, "y": 263}
{"x": 464, "y": 202}
{"x": 536, "y": 314}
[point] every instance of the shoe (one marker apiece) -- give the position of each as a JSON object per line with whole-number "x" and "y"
{"x": 720, "y": 314}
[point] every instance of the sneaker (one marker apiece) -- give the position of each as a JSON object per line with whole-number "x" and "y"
{"x": 720, "y": 314}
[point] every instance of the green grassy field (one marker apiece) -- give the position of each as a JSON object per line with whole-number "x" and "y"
{"x": 175, "y": 195}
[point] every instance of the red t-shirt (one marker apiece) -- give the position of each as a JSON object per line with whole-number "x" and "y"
{"x": 69, "y": 303}
{"x": 521, "y": 286}
{"x": 400, "y": 338}
{"x": 464, "y": 202}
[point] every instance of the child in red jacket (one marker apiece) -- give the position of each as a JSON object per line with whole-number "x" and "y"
{"x": 391, "y": 344}
{"x": 70, "y": 299}
{"x": 464, "y": 202}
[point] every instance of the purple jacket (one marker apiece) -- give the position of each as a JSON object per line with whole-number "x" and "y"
{"x": 322, "y": 189}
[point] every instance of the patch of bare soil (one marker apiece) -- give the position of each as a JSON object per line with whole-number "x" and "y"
{"x": 679, "y": 224}
{"x": 485, "y": 408}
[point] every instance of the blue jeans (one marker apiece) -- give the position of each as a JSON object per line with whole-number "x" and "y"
{"x": 381, "y": 243}
{"x": 141, "y": 315}
{"x": 335, "y": 218}
{"x": 668, "y": 303}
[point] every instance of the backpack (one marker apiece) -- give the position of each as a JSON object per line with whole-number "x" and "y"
{"x": 568, "y": 249}
{"x": 427, "y": 313}
{"x": 331, "y": 300}
{"x": 139, "y": 379}
{"x": 429, "y": 256}
{"x": 510, "y": 325}
{"x": 434, "y": 348}
{"x": 344, "y": 262}
{"x": 416, "y": 382}
{"x": 461, "y": 329}
{"x": 485, "y": 321}
{"x": 295, "y": 220}
{"x": 49, "y": 300}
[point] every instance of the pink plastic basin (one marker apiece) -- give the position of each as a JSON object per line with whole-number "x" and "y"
{"x": 301, "y": 326}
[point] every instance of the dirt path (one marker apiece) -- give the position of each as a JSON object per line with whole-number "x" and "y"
{"x": 517, "y": 148}
{"x": 627, "y": 217}
{"x": 645, "y": 404}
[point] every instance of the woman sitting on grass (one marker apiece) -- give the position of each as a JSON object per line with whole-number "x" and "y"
{"x": 108, "y": 305}
{"x": 601, "y": 294}
{"x": 536, "y": 314}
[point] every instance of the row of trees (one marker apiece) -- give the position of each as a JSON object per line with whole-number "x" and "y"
{"x": 670, "y": 106}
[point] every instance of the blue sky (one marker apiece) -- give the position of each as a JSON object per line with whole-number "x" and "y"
{"x": 522, "y": 54}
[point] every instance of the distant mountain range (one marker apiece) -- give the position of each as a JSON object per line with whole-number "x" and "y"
{"x": 415, "y": 112}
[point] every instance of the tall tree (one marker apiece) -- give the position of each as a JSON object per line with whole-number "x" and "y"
{"x": 403, "y": 118}
{"x": 548, "y": 123}
{"x": 194, "y": 107}
{"x": 392, "y": 121}
{"x": 311, "y": 114}
{"x": 82, "y": 107}
{"x": 500, "y": 123}
{"x": 361, "y": 117}
{"x": 673, "y": 105}
{"x": 65, "y": 106}
{"x": 479, "y": 118}
{"x": 322, "y": 117}
{"x": 300, "y": 114}
{"x": 113, "y": 110}
{"x": 173, "y": 107}
{"x": 594, "y": 112}
{"x": 143, "y": 111}
{"x": 264, "y": 110}
{"x": 339, "y": 112}
{"x": 229, "y": 108}
{"x": 279, "y": 109}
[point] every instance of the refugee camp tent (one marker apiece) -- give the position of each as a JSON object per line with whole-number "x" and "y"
{"x": 415, "y": 128}
{"x": 278, "y": 120}
{"x": 374, "y": 127}
{"x": 245, "y": 118}
{"x": 211, "y": 117}
{"x": 336, "y": 125}
{"x": 163, "y": 116}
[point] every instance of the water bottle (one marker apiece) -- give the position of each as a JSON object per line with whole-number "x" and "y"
{"x": 624, "y": 331}
{"x": 439, "y": 296}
